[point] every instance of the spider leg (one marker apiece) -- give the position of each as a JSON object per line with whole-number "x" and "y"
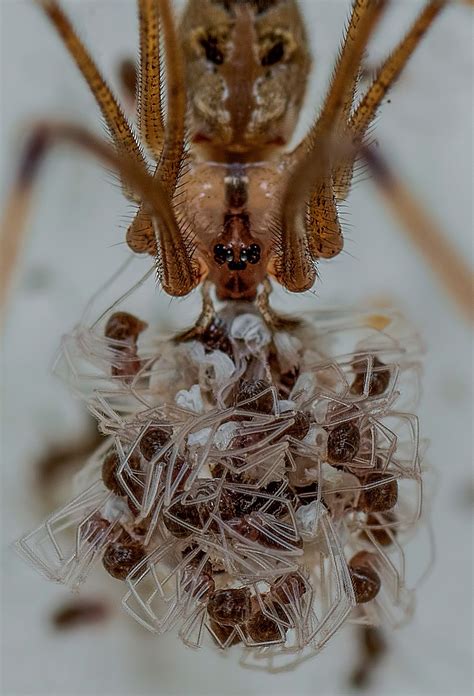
{"x": 372, "y": 649}
{"x": 338, "y": 101}
{"x": 173, "y": 149}
{"x": 386, "y": 76}
{"x": 150, "y": 109}
{"x": 310, "y": 180}
{"x": 140, "y": 236}
{"x": 120, "y": 130}
{"x": 423, "y": 231}
{"x": 275, "y": 321}
{"x": 205, "y": 319}
{"x": 178, "y": 273}
{"x": 325, "y": 238}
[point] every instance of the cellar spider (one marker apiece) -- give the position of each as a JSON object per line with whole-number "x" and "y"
{"x": 225, "y": 204}
{"x": 131, "y": 176}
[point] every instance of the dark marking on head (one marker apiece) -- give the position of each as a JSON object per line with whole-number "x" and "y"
{"x": 242, "y": 219}
{"x": 237, "y": 287}
{"x": 260, "y": 6}
{"x": 274, "y": 55}
{"x": 213, "y": 53}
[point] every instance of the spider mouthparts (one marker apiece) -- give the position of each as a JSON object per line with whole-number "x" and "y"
{"x": 236, "y": 265}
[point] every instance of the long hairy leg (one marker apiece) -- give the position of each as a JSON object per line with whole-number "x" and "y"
{"x": 293, "y": 264}
{"x": 122, "y": 135}
{"x": 150, "y": 108}
{"x": 388, "y": 73}
{"x": 177, "y": 272}
{"x": 338, "y": 101}
{"x": 140, "y": 235}
{"x": 325, "y": 238}
{"x": 323, "y": 228}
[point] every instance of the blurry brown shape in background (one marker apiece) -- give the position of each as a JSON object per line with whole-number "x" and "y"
{"x": 80, "y": 612}
{"x": 372, "y": 648}
{"x": 437, "y": 251}
{"x": 61, "y": 460}
{"x": 127, "y": 73}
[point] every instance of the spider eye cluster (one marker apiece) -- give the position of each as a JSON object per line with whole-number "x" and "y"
{"x": 248, "y": 254}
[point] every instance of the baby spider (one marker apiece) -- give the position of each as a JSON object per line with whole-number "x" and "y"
{"x": 226, "y": 205}
{"x": 254, "y": 481}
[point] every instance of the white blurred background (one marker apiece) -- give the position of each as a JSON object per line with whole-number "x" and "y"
{"x": 75, "y": 241}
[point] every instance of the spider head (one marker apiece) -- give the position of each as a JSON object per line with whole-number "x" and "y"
{"x": 247, "y": 67}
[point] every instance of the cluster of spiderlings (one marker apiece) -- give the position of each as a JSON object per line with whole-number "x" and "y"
{"x": 255, "y": 487}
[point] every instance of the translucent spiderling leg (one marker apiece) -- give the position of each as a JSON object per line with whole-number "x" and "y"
{"x": 150, "y": 111}
{"x": 387, "y": 75}
{"x": 120, "y": 130}
{"x": 140, "y": 235}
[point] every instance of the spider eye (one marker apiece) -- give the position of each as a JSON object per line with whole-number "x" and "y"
{"x": 253, "y": 253}
{"x": 213, "y": 53}
{"x": 220, "y": 254}
{"x": 274, "y": 55}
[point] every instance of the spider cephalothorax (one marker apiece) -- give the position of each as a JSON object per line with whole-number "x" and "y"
{"x": 225, "y": 201}
{"x": 231, "y": 207}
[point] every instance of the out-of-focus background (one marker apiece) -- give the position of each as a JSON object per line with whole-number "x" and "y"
{"x": 75, "y": 242}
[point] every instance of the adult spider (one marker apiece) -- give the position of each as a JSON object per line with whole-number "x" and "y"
{"x": 226, "y": 204}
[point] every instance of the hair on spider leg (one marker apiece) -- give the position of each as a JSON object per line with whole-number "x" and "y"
{"x": 117, "y": 244}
